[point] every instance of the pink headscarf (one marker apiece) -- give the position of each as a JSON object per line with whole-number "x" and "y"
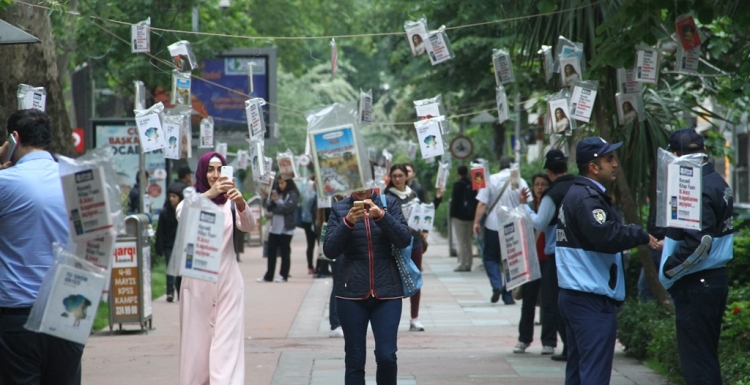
{"x": 201, "y": 176}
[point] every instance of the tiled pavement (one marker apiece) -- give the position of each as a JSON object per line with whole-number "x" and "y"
{"x": 467, "y": 340}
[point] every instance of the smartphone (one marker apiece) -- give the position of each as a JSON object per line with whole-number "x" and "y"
{"x": 359, "y": 204}
{"x": 227, "y": 171}
{"x": 9, "y": 150}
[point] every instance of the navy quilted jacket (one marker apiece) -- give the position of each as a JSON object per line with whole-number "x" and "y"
{"x": 368, "y": 268}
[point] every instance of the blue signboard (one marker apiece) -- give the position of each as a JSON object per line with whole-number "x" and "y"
{"x": 223, "y": 92}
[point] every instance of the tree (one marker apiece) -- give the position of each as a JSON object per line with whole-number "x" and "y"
{"x": 36, "y": 65}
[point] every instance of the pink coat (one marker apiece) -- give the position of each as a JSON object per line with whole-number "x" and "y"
{"x": 212, "y": 329}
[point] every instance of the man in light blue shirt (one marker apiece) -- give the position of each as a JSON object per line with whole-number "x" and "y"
{"x": 32, "y": 217}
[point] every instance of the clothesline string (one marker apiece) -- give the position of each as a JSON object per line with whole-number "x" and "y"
{"x": 326, "y": 37}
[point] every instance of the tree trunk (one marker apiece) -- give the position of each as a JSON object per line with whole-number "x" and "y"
{"x": 630, "y": 210}
{"x": 36, "y": 65}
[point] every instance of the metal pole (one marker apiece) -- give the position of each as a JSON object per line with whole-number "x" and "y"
{"x": 518, "y": 129}
{"x": 142, "y": 182}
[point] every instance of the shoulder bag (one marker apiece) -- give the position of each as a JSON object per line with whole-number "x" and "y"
{"x": 411, "y": 277}
{"x": 487, "y": 212}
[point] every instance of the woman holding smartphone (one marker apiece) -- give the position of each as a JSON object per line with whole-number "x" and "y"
{"x": 212, "y": 321}
{"x": 398, "y": 189}
{"x": 283, "y": 204}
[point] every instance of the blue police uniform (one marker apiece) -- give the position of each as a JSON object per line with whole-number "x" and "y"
{"x": 590, "y": 239}
{"x": 699, "y": 289}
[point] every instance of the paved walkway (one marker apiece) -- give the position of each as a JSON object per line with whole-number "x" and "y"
{"x": 467, "y": 340}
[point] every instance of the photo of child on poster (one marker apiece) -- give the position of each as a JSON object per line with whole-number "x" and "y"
{"x": 336, "y": 161}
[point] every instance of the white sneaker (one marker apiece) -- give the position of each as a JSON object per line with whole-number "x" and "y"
{"x": 416, "y": 326}
{"x": 336, "y": 333}
{"x": 279, "y": 278}
{"x": 520, "y": 347}
{"x": 546, "y": 350}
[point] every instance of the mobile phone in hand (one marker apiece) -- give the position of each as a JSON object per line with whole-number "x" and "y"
{"x": 227, "y": 171}
{"x": 9, "y": 150}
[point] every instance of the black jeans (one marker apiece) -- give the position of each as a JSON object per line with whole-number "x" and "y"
{"x": 172, "y": 281}
{"x": 278, "y": 244}
{"x": 550, "y": 294}
{"x": 699, "y": 308}
{"x": 528, "y": 308}
{"x": 311, "y": 238}
{"x": 36, "y": 358}
{"x": 333, "y": 314}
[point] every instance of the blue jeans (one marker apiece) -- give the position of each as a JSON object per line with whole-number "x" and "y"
{"x": 384, "y": 316}
{"x": 491, "y": 259}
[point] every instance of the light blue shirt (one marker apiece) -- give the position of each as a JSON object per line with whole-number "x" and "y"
{"x": 541, "y": 219}
{"x": 32, "y": 216}
{"x": 601, "y": 187}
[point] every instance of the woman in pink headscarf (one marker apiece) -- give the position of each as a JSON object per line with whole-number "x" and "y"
{"x": 212, "y": 314}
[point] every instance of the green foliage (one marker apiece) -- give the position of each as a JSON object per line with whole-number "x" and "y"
{"x": 739, "y": 266}
{"x": 637, "y": 324}
{"x": 663, "y": 348}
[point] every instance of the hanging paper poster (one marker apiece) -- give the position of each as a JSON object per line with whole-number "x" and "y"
{"x": 87, "y": 204}
{"x": 207, "y": 133}
{"x": 582, "y": 103}
{"x": 626, "y": 83}
{"x": 255, "y": 123}
{"x": 630, "y": 108}
{"x": 503, "y": 67}
{"x": 250, "y": 84}
{"x": 334, "y": 58}
{"x": 560, "y": 116}
{"x": 140, "y": 95}
{"x": 337, "y": 160}
{"x": 204, "y": 233}
{"x": 684, "y": 196}
{"x": 365, "y": 107}
{"x": 71, "y": 308}
{"x": 571, "y": 70}
{"x": 416, "y": 34}
{"x": 478, "y": 176}
{"x": 150, "y": 132}
{"x": 514, "y": 252}
{"x": 411, "y": 150}
{"x": 438, "y": 47}
{"x": 97, "y": 251}
{"x": 285, "y": 161}
{"x": 265, "y": 183}
{"x": 186, "y": 139}
{"x": 242, "y": 159}
{"x": 687, "y": 61}
{"x": 180, "y": 88}
{"x": 430, "y": 138}
{"x": 172, "y": 135}
{"x": 221, "y": 148}
{"x": 31, "y": 98}
{"x": 141, "y": 37}
{"x": 502, "y": 104}
{"x": 444, "y": 169}
{"x": 182, "y": 56}
{"x": 549, "y": 62}
{"x": 688, "y": 32}
{"x": 646, "y": 66}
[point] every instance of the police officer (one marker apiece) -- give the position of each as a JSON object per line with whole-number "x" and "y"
{"x": 693, "y": 269}
{"x": 590, "y": 238}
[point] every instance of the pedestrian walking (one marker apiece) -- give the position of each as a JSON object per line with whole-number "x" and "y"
{"x": 166, "y": 232}
{"x": 463, "y": 206}
{"x": 282, "y": 203}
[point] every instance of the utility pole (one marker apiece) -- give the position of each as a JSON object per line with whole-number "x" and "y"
{"x": 517, "y": 146}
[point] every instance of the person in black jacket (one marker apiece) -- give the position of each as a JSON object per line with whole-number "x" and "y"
{"x": 463, "y": 206}
{"x": 368, "y": 288}
{"x": 283, "y": 204}
{"x": 411, "y": 181}
{"x": 166, "y": 231}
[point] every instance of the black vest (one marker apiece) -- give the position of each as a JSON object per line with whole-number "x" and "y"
{"x": 557, "y": 191}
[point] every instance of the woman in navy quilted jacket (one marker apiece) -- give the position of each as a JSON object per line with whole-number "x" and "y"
{"x": 368, "y": 286}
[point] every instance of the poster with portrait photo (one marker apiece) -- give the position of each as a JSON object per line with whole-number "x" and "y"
{"x": 630, "y": 108}
{"x": 560, "y": 117}
{"x": 570, "y": 70}
{"x": 626, "y": 83}
{"x": 647, "y": 66}
{"x": 688, "y": 32}
{"x": 687, "y": 61}
{"x": 416, "y": 34}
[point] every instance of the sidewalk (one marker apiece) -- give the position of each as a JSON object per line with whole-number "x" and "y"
{"x": 467, "y": 340}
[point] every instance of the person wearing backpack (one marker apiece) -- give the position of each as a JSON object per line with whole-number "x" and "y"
{"x": 463, "y": 207}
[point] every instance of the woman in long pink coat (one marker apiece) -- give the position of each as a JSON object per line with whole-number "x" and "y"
{"x": 212, "y": 314}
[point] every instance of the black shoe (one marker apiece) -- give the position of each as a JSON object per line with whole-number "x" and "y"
{"x": 170, "y": 297}
{"x": 496, "y": 295}
{"x": 559, "y": 357}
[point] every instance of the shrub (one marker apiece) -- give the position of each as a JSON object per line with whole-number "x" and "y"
{"x": 637, "y": 323}
{"x": 663, "y": 348}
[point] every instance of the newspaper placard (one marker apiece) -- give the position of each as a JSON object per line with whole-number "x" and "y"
{"x": 242, "y": 159}
{"x": 688, "y": 61}
{"x": 430, "y": 138}
{"x": 444, "y": 169}
{"x": 503, "y": 67}
{"x": 265, "y": 183}
{"x": 31, "y": 98}
{"x": 207, "y": 133}
{"x": 255, "y": 124}
{"x": 172, "y": 133}
{"x": 71, "y": 307}
{"x": 221, "y": 148}
{"x": 549, "y": 62}
{"x": 365, "y": 107}
{"x": 438, "y": 47}
{"x": 515, "y": 254}
{"x": 257, "y": 160}
{"x": 140, "y": 35}
{"x": 204, "y": 235}
{"x": 286, "y": 164}
{"x": 97, "y": 251}
{"x": 647, "y": 66}
{"x": 582, "y": 103}
{"x": 87, "y": 204}
{"x": 501, "y": 99}
{"x": 150, "y": 133}
{"x": 684, "y": 186}
{"x": 337, "y": 160}
{"x": 626, "y": 83}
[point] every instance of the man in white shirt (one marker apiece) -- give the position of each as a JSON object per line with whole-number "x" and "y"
{"x": 510, "y": 198}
